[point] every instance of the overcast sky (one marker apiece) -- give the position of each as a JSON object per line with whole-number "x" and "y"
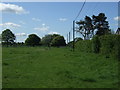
{"x": 41, "y": 18}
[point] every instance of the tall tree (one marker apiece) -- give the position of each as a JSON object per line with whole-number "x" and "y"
{"x": 32, "y": 40}
{"x": 101, "y": 24}
{"x": 8, "y": 37}
{"x": 85, "y": 27}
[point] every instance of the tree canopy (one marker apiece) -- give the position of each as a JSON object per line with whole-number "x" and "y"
{"x": 33, "y": 40}
{"x": 88, "y": 26}
{"x": 58, "y": 41}
{"x": 101, "y": 24}
{"x": 47, "y": 39}
{"x": 8, "y": 36}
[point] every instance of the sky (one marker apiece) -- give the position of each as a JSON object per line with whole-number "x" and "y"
{"x": 41, "y": 18}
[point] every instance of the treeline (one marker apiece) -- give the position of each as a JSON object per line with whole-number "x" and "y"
{"x": 8, "y": 39}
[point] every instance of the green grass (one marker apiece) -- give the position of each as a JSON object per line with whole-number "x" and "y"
{"x": 38, "y": 67}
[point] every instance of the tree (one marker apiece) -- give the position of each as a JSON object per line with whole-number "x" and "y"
{"x": 85, "y": 28}
{"x": 101, "y": 24}
{"x": 46, "y": 40}
{"x": 78, "y": 39}
{"x": 8, "y": 37}
{"x": 58, "y": 41}
{"x": 32, "y": 40}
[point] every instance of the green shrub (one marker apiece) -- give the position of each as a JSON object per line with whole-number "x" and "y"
{"x": 108, "y": 45}
{"x": 58, "y": 41}
{"x": 96, "y": 44}
{"x": 84, "y": 45}
{"x": 116, "y": 48}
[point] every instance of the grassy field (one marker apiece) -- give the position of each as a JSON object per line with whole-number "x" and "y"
{"x": 38, "y": 67}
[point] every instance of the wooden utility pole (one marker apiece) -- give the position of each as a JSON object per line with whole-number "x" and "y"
{"x": 73, "y": 35}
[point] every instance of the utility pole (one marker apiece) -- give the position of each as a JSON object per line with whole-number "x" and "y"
{"x": 69, "y": 36}
{"x": 73, "y": 35}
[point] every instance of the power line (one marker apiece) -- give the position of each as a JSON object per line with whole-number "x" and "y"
{"x": 80, "y": 10}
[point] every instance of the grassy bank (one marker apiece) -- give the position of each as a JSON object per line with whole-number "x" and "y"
{"x": 38, "y": 67}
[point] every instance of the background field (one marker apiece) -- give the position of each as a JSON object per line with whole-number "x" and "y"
{"x": 39, "y": 67}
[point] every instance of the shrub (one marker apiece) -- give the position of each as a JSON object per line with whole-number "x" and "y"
{"x": 58, "y": 41}
{"x": 116, "y": 51}
{"x": 84, "y": 45}
{"x": 96, "y": 44}
{"x": 107, "y": 44}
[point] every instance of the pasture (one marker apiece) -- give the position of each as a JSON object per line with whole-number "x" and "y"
{"x": 41, "y": 67}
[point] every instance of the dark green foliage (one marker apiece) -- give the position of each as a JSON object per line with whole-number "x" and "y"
{"x": 46, "y": 40}
{"x": 32, "y": 40}
{"x": 70, "y": 44}
{"x": 78, "y": 39}
{"x": 108, "y": 45}
{"x": 117, "y": 47}
{"x": 84, "y": 46}
{"x": 85, "y": 28}
{"x": 58, "y": 41}
{"x": 96, "y": 44}
{"x": 8, "y": 37}
{"x": 101, "y": 24}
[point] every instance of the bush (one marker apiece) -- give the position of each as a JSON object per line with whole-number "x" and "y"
{"x": 84, "y": 45}
{"x": 116, "y": 48}
{"x": 96, "y": 44}
{"x": 108, "y": 45}
{"x": 58, "y": 41}
{"x": 70, "y": 44}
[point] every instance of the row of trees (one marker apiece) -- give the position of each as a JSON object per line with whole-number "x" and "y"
{"x": 95, "y": 25}
{"x": 8, "y": 38}
{"x": 47, "y": 40}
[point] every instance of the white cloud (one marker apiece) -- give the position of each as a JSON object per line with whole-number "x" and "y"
{"x": 36, "y": 19}
{"x": 21, "y": 34}
{"x": 43, "y": 28}
{"x": 22, "y": 22}
{"x": 53, "y": 33}
{"x": 10, "y": 25}
{"x": 63, "y": 19}
{"x": 117, "y": 18}
{"x": 11, "y": 8}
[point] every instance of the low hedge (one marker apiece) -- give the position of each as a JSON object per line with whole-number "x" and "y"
{"x": 108, "y": 45}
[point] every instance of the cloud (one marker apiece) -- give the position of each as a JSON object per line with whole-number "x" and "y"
{"x": 11, "y": 8}
{"x": 63, "y": 19}
{"x": 21, "y": 34}
{"x": 43, "y": 28}
{"x": 22, "y": 22}
{"x": 117, "y": 18}
{"x": 10, "y": 25}
{"x": 53, "y": 32}
{"x": 36, "y": 19}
